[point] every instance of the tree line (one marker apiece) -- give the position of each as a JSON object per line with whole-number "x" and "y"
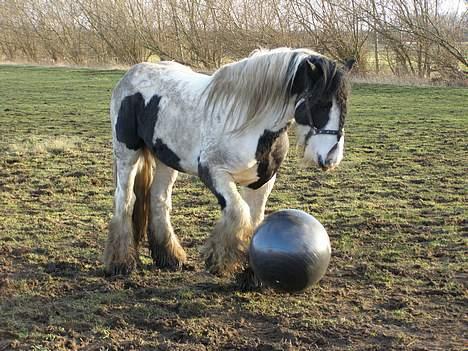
{"x": 404, "y": 37}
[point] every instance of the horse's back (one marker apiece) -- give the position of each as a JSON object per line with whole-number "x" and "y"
{"x": 147, "y": 78}
{"x": 157, "y": 105}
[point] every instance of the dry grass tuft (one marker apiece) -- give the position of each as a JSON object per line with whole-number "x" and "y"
{"x": 42, "y": 146}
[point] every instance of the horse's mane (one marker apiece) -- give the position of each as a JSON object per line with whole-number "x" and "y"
{"x": 254, "y": 88}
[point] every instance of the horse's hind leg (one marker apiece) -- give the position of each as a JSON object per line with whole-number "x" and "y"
{"x": 119, "y": 254}
{"x": 166, "y": 250}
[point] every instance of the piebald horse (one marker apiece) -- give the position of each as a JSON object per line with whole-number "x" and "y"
{"x": 229, "y": 129}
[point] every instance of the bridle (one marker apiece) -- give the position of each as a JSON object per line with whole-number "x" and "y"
{"x": 313, "y": 129}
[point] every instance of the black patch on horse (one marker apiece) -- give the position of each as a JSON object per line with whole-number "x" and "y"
{"x": 205, "y": 176}
{"x": 135, "y": 121}
{"x": 147, "y": 120}
{"x": 126, "y": 127}
{"x": 166, "y": 155}
{"x": 135, "y": 127}
{"x": 319, "y": 112}
{"x": 272, "y": 148}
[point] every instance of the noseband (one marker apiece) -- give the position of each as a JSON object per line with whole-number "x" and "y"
{"x": 313, "y": 129}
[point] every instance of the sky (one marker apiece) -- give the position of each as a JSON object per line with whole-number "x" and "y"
{"x": 456, "y": 5}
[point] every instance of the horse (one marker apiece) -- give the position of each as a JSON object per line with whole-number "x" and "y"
{"x": 229, "y": 129}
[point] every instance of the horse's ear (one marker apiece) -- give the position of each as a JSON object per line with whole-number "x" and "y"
{"x": 304, "y": 72}
{"x": 311, "y": 70}
{"x": 316, "y": 67}
{"x": 322, "y": 70}
{"x": 315, "y": 64}
{"x": 349, "y": 64}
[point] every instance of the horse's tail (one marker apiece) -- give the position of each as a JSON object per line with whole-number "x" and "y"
{"x": 141, "y": 188}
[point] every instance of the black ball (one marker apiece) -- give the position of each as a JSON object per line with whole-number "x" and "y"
{"x": 290, "y": 251}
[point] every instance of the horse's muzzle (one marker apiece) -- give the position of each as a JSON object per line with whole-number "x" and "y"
{"x": 331, "y": 161}
{"x": 323, "y": 164}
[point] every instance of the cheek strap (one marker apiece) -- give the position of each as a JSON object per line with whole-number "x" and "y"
{"x": 314, "y": 130}
{"x": 299, "y": 103}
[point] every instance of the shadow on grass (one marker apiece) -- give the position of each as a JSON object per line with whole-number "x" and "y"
{"x": 83, "y": 307}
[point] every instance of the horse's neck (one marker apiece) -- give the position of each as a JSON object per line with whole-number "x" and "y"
{"x": 272, "y": 123}
{"x": 274, "y": 116}
{"x": 281, "y": 119}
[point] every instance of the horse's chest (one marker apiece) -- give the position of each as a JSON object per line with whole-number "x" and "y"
{"x": 271, "y": 150}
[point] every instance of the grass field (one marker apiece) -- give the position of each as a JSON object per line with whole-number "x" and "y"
{"x": 395, "y": 211}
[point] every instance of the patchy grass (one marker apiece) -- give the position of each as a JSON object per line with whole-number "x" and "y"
{"x": 395, "y": 211}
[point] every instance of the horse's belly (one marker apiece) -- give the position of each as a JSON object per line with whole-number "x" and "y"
{"x": 182, "y": 135}
{"x": 176, "y": 154}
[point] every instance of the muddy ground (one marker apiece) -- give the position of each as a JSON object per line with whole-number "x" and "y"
{"x": 395, "y": 211}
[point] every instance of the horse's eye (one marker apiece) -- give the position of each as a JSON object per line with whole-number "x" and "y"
{"x": 320, "y": 113}
{"x": 324, "y": 105}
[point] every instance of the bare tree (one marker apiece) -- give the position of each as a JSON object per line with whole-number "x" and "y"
{"x": 335, "y": 27}
{"x": 405, "y": 36}
{"x": 421, "y": 37}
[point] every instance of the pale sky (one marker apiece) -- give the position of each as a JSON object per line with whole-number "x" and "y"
{"x": 455, "y": 5}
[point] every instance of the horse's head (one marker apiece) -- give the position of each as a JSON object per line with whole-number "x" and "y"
{"x": 321, "y": 91}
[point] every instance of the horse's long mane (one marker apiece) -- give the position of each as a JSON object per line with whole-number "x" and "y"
{"x": 254, "y": 88}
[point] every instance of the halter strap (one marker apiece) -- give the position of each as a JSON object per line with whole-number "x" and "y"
{"x": 314, "y": 130}
{"x": 299, "y": 102}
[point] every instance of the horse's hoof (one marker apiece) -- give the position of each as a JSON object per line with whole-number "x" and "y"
{"x": 213, "y": 268}
{"x": 223, "y": 266}
{"x": 165, "y": 259}
{"x": 119, "y": 269}
{"x": 220, "y": 269}
{"x": 248, "y": 281}
{"x": 223, "y": 261}
{"x": 166, "y": 262}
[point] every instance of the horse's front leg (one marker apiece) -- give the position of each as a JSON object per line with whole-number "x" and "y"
{"x": 256, "y": 199}
{"x": 226, "y": 249}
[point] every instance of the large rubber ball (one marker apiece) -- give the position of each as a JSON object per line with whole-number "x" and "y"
{"x": 290, "y": 251}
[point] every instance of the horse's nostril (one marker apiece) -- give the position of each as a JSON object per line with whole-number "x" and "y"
{"x": 333, "y": 149}
{"x": 322, "y": 163}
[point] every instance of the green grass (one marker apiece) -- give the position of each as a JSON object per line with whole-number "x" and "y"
{"x": 395, "y": 211}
